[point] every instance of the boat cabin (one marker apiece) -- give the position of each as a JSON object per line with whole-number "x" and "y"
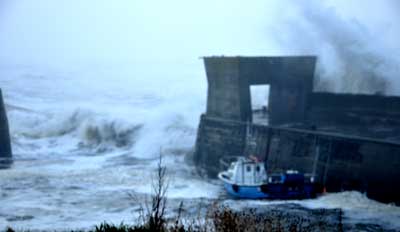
{"x": 246, "y": 172}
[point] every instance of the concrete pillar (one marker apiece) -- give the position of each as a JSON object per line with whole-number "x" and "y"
{"x": 290, "y": 89}
{"x": 5, "y": 142}
{"x": 228, "y": 91}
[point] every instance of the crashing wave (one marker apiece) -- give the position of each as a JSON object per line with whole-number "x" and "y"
{"x": 87, "y": 129}
{"x": 112, "y": 132}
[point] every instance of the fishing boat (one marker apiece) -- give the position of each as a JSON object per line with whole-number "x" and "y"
{"x": 248, "y": 179}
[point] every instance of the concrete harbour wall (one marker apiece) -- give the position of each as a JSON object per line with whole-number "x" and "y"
{"x": 340, "y": 162}
{"x": 351, "y": 141}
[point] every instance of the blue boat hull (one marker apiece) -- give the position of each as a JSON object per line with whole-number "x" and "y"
{"x": 270, "y": 191}
{"x": 247, "y": 192}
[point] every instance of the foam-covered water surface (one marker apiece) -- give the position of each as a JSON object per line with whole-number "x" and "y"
{"x": 81, "y": 150}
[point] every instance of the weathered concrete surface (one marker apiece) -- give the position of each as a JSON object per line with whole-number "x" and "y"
{"x": 354, "y": 110}
{"x": 216, "y": 140}
{"x": 5, "y": 143}
{"x": 229, "y": 80}
{"x": 228, "y": 94}
{"x": 342, "y": 163}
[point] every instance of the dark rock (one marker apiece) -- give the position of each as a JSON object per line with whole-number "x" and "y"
{"x": 5, "y": 142}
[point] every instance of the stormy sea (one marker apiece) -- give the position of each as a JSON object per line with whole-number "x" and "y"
{"x": 96, "y": 90}
{"x": 86, "y": 146}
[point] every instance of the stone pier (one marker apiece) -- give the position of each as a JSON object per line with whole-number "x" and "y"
{"x": 5, "y": 142}
{"x": 350, "y": 141}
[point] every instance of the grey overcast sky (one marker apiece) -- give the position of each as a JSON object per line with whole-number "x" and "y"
{"x": 126, "y": 30}
{"x": 86, "y": 32}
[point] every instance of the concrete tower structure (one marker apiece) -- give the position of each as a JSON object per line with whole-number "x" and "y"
{"x": 229, "y": 80}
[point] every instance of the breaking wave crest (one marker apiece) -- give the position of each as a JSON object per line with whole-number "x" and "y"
{"x": 89, "y": 131}
{"x": 112, "y": 132}
{"x": 83, "y": 128}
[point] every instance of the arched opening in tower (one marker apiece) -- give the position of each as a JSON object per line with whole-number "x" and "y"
{"x": 259, "y": 95}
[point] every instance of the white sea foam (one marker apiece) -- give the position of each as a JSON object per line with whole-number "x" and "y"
{"x": 79, "y": 152}
{"x": 359, "y": 208}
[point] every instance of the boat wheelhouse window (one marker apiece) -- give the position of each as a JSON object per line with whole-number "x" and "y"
{"x": 258, "y": 169}
{"x": 248, "y": 169}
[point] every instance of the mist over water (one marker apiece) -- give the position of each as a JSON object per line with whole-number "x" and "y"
{"x": 95, "y": 89}
{"x": 353, "y": 41}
